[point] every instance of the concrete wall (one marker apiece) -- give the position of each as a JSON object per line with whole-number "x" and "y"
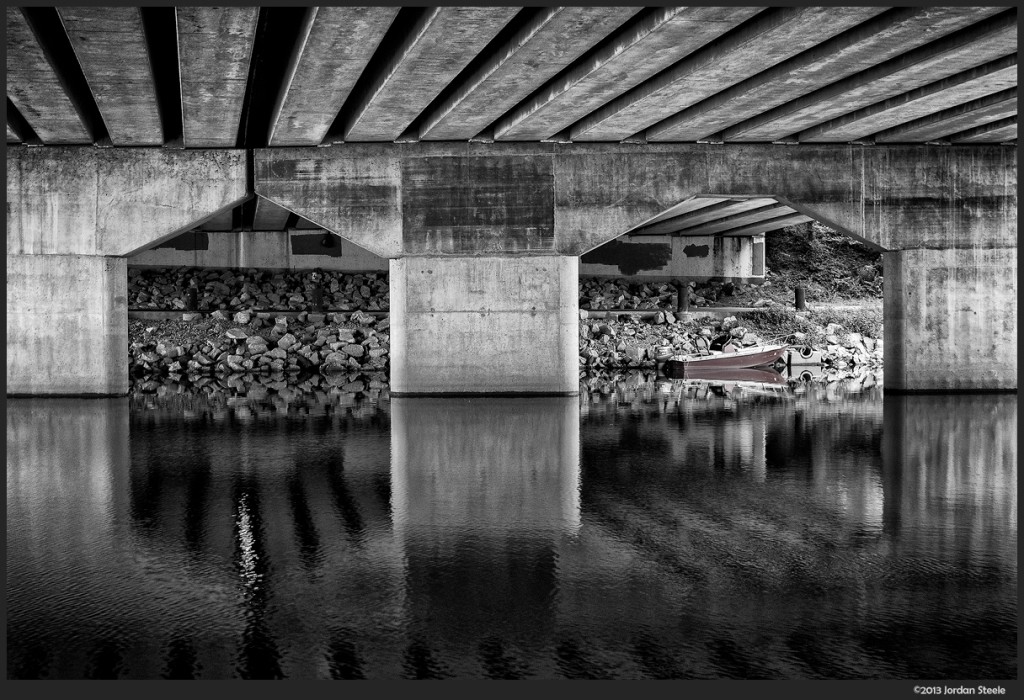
{"x": 696, "y": 258}
{"x": 484, "y": 325}
{"x": 644, "y": 257}
{"x": 951, "y": 319}
{"x": 67, "y": 325}
{"x": 284, "y": 250}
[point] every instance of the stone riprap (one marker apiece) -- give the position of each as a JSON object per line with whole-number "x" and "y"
{"x": 626, "y": 342}
{"x": 259, "y": 343}
{"x": 258, "y": 290}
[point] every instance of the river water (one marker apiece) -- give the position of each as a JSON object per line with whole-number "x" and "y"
{"x": 645, "y": 529}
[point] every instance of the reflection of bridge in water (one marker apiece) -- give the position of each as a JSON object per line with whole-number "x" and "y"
{"x": 512, "y": 538}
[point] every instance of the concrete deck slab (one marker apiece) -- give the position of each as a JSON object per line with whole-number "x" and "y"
{"x": 997, "y": 132}
{"x": 881, "y": 38}
{"x": 705, "y": 215}
{"x": 771, "y": 38}
{"x": 438, "y": 47}
{"x": 991, "y": 78}
{"x": 556, "y": 37}
{"x": 638, "y": 52}
{"x": 981, "y": 43}
{"x": 950, "y": 121}
{"x": 111, "y": 48}
{"x": 36, "y": 89}
{"x": 336, "y": 45}
{"x": 214, "y": 48}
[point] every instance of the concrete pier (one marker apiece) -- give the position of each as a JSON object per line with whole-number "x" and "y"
{"x": 67, "y": 325}
{"x": 484, "y": 325}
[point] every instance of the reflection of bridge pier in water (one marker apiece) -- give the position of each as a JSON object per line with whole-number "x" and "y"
{"x": 483, "y": 492}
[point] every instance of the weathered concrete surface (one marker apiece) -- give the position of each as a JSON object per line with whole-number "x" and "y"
{"x": 951, "y": 319}
{"x": 262, "y": 249}
{"x": 772, "y": 37}
{"x": 975, "y": 83}
{"x": 551, "y": 41}
{"x": 705, "y": 215}
{"x": 214, "y": 48}
{"x": 269, "y": 216}
{"x": 639, "y": 51}
{"x": 892, "y": 197}
{"x": 950, "y": 121}
{"x": 996, "y": 132}
{"x": 36, "y": 90}
{"x": 92, "y": 201}
{"x": 353, "y": 192}
{"x": 477, "y": 205}
{"x": 879, "y": 39}
{"x": 986, "y": 41}
{"x": 685, "y": 258}
{"x": 493, "y": 467}
{"x": 335, "y": 47}
{"x": 111, "y": 48}
{"x": 484, "y": 325}
{"x": 442, "y": 43}
{"x": 67, "y": 325}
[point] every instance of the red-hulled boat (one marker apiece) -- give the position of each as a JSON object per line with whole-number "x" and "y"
{"x": 754, "y": 356}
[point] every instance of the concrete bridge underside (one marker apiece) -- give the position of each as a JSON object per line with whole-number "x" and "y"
{"x": 484, "y": 241}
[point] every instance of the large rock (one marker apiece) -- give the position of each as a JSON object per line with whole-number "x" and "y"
{"x": 236, "y": 333}
{"x": 287, "y": 341}
{"x": 243, "y": 317}
{"x": 354, "y": 350}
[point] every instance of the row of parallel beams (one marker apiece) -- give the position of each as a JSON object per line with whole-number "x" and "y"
{"x": 857, "y": 49}
{"x": 768, "y": 38}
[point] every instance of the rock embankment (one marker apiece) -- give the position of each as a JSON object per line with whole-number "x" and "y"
{"x": 622, "y": 341}
{"x": 257, "y": 290}
{"x": 615, "y": 294}
{"x": 260, "y": 343}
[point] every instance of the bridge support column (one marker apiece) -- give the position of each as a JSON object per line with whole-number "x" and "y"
{"x": 484, "y": 325}
{"x": 67, "y": 325}
{"x": 951, "y": 320}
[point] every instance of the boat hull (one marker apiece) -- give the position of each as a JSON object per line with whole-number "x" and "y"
{"x": 763, "y": 356}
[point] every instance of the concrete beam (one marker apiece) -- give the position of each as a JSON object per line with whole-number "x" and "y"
{"x": 761, "y": 226}
{"x": 11, "y": 136}
{"x": 67, "y": 325}
{"x": 269, "y": 216}
{"x": 990, "y": 78}
{"x": 704, "y": 215}
{"x": 335, "y": 45}
{"x": 865, "y": 45}
{"x": 214, "y": 49}
{"x": 994, "y": 132}
{"x": 36, "y": 89}
{"x": 759, "y": 215}
{"x": 440, "y": 44}
{"x": 222, "y": 221}
{"x": 639, "y": 51}
{"x": 87, "y": 201}
{"x": 948, "y": 121}
{"x": 111, "y": 48}
{"x": 685, "y": 207}
{"x": 353, "y": 192}
{"x": 554, "y": 38}
{"x": 986, "y": 41}
{"x": 952, "y": 309}
{"x": 772, "y": 37}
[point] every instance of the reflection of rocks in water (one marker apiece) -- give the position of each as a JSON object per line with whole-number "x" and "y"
{"x": 637, "y": 388}
{"x": 252, "y": 396}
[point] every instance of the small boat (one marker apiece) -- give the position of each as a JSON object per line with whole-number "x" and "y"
{"x": 754, "y": 356}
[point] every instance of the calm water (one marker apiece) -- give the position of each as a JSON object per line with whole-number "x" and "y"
{"x": 642, "y": 530}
